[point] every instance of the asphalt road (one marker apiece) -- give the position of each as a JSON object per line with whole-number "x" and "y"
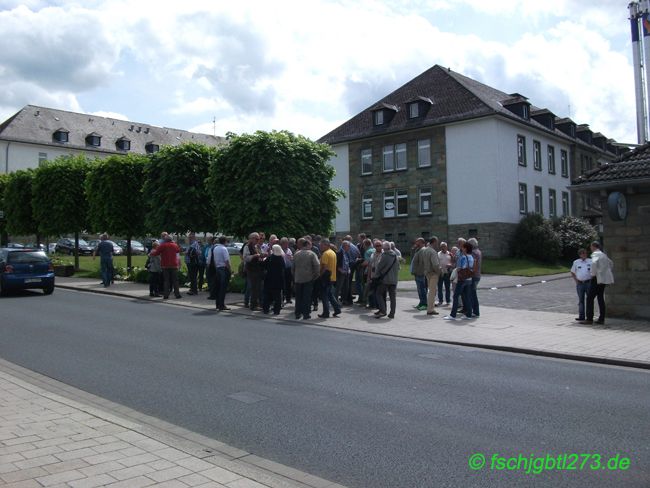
{"x": 361, "y": 410}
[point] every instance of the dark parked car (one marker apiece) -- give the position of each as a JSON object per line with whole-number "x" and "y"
{"x": 66, "y": 246}
{"x": 137, "y": 247}
{"x": 25, "y": 268}
{"x": 117, "y": 250}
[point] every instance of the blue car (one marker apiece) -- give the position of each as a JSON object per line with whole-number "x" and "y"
{"x": 24, "y": 268}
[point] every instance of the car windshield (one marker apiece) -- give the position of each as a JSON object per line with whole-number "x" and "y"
{"x": 27, "y": 257}
{"x": 82, "y": 242}
{"x": 136, "y": 243}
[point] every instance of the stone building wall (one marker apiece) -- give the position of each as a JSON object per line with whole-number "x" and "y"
{"x": 626, "y": 242}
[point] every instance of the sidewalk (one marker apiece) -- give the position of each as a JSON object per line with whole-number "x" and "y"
{"x": 619, "y": 341}
{"x": 53, "y": 435}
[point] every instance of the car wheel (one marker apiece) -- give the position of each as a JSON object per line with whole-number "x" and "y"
{"x": 48, "y": 290}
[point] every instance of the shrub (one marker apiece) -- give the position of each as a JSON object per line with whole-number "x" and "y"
{"x": 574, "y": 233}
{"x": 535, "y": 238}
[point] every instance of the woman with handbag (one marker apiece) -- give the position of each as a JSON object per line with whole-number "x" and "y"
{"x": 464, "y": 267}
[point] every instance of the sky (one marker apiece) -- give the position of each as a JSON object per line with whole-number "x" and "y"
{"x": 309, "y": 65}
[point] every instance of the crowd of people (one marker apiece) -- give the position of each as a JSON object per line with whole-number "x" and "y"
{"x": 313, "y": 270}
{"x": 318, "y": 273}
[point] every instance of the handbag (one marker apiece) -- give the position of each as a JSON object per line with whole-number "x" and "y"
{"x": 465, "y": 273}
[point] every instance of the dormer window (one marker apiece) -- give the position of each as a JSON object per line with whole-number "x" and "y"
{"x": 414, "y": 110}
{"x": 123, "y": 144}
{"x": 518, "y": 105}
{"x": 378, "y": 117}
{"x": 60, "y": 135}
{"x": 94, "y": 139}
{"x": 151, "y": 148}
{"x": 524, "y": 111}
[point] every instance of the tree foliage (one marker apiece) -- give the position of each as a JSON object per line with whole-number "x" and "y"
{"x": 175, "y": 191}
{"x": 114, "y": 194}
{"x": 59, "y": 199}
{"x": 273, "y": 181}
{"x": 18, "y": 206}
{"x": 574, "y": 233}
{"x": 535, "y": 238}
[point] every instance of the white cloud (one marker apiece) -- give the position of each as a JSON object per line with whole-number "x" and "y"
{"x": 308, "y": 66}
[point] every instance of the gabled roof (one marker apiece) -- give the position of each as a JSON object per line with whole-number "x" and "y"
{"x": 455, "y": 98}
{"x": 36, "y": 125}
{"x": 633, "y": 167}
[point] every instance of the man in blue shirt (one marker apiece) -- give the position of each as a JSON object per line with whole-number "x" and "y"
{"x": 221, "y": 260}
{"x": 192, "y": 259}
{"x": 105, "y": 251}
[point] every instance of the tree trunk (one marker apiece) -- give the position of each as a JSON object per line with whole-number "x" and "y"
{"x": 76, "y": 251}
{"x": 128, "y": 253}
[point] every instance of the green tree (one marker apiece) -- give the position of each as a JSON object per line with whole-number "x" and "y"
{"x": 59, "y": 199}
{"x": 4, "y": 238}
{"x": 273, "y": 181}
{"x": 17, "y": 199}
{"x": 114, "y": 194}
{"x": 535, "y": 238}
{"x": 175, "y": 191}
{"x": 574, "y": 233}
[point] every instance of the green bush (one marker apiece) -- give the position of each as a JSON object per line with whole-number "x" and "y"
{"x": 574, "y": 233}
{"x": 236, "y": 284}
{"x": 536, "y": 238}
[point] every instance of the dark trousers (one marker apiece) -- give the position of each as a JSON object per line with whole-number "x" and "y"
{"x": 596, "y": 291}
{"x": 462, "y": 290}
{"x": 221, "y": 280}
{"x": 170, "y": 276}
{"x": 582, "y": 288}
{"x": 421, "y": 284}
{"x": 329, "y": 298}
{"x": 443, "y": 281}
{"x": 303, "y": 299}
{"x": 474, "y": 296}
{"x": 288, "y": 284}
{"x": 155, "y": 283}
{"x": 272, "y": 296}
{"x": 192, "y": 274}
{"x": 380, "y": 296}
{"x": 201, "y": 277}
{"x": 316, "y": 292}
{"x": 254, "y": 287}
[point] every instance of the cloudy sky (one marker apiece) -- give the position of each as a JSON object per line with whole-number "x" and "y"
{"x": 307, "y": 66}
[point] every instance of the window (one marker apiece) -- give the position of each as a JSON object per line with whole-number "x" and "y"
{"x": 389, "y": 161}
{"x": 366, "y": 161}
{"x": 523, "y": 198}
{"x": 414, "y": 110}
{"x": 402, "y": 203}
{"x": 379, "y": 117}
{"x": 400, "y": 156}
{"x": 151, "y": 148}
{"x": 424, "y": 153}
{"x": 539, "y": 207}
{"x": 565, "y": 204}
{"x": 389, "y": 204}
{"x": 425, "y": 201}
{"x": 60, "y": 136}
{"x": 521, "y": 150}
{"x": 552, "y": 209}
{"x": 93, "y": 140}
{"x": 564, "y": 163}
{"x": 537, "y": 155}
{"x": 42, "y": 157}
{"x": 366, "y": 206}
{"x": 395, "y": 203}
{"x": 524, "y": 111}
{"x": 551, "y": 160}
{"x": 123, "y": 145}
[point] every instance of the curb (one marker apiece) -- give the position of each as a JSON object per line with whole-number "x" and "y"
{"x": 492, "y": 347}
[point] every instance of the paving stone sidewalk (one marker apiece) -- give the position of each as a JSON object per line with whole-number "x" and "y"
{"x": 51, "y": 440}
{"x": 619, "y": 341}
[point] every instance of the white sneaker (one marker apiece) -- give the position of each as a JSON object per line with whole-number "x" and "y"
{"x": 449, "y": 317}
{"x": 465, "y": 317}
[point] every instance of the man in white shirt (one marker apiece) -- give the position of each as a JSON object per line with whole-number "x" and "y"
{"x": 581, "y": 272}
{"x": 601, "y": 276}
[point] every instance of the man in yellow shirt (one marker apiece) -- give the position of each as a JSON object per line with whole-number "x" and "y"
{"x": 328, "y": 279}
